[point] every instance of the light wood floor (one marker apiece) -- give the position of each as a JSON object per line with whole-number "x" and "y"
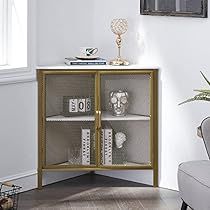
{"x": 94, "y": 192}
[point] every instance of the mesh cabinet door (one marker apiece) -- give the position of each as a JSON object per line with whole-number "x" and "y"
{"x": 70, "y": 120}
{"x": 125, "y": 103}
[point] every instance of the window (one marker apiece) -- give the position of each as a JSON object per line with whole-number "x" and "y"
{"x": 13, "y": 33}
{"x": 3, "y": 31}
{"x": 17, "y": 41}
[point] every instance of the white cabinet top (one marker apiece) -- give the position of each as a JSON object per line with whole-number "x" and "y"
{"x": 95, "y": 67}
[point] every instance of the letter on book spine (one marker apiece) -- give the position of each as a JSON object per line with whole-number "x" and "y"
{"x": 102, "y": 146}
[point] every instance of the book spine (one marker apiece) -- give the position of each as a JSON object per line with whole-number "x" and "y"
{"x": 87, "y": 63}
{"x": 88, "y": 147}
{"x": 85, "y": 146}
{"x": 102, "y": 146}
{"x": 108, "y": 146}
{"x": 67, "y": 62}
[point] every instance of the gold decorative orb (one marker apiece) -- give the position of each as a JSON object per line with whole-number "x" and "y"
{"x": 119, "y": 27}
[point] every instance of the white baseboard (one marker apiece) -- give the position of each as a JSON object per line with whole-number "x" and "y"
{"x": 52, "y": 177}
{"x": 139, "y": 176}
{"x": 28, "y": 179}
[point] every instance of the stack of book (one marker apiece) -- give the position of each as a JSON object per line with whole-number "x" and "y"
{"x": 106, "y": 143}
{"x": 75, "y": 61}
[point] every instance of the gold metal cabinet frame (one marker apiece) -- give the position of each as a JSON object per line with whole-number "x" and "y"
{"x": 42, "y": 167}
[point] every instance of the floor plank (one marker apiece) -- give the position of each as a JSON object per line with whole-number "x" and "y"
{"x": 96, "y": 192}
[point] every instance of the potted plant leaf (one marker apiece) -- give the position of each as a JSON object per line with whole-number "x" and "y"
{"x": 203, "y": 95}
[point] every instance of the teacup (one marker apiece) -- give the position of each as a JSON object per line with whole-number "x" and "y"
{"x": 88, "y": 51}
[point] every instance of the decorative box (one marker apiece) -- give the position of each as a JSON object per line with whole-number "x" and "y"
{"x": 77, "y": 105}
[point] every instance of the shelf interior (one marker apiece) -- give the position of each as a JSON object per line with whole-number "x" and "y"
{"x": 106, "y": 116}
{"x": 137, "y": 87}
{"x": 60, "y": 137}
{"x": 67, "y": 136}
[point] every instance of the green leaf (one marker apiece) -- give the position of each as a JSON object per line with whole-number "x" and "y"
{"x": 188, "y": 100}
{"x": 203, "y": 91}
{"x": 203, "y": 95}
{"x": 199, "y": 97}
{"x": 205, "y": 78}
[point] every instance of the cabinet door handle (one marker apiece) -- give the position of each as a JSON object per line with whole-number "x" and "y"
{"x": 98, "y": 118}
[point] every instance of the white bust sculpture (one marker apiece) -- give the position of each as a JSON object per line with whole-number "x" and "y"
{"x": 120, "y": 138}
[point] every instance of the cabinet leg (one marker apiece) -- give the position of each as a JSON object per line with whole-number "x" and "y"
{"x": 39, "y": 179}
{"x": 155, "y": 178}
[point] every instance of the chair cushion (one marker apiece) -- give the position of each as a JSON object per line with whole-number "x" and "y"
{"x": 194, "y": 184}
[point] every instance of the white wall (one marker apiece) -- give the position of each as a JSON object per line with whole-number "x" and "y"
{"x": 63, "y": 26}
{"x": 18, "y": 129}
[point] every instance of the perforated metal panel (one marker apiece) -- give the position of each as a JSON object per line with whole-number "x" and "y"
{"x": 136, "y": 150}
{"x": 58, "y": 86}
{"x": 64, "y": 136}
{"x": 137, "y": 86}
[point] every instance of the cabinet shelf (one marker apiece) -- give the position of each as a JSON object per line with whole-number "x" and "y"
{"x": 129, "y": 164}
{"x": 105, "y": 117}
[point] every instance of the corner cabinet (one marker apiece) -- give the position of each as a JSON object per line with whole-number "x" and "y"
{"x": 78, "y": 126}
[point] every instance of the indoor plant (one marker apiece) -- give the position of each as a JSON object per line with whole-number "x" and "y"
{"x": 203, "y": 95}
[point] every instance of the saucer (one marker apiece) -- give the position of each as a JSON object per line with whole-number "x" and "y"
{"x": 91, "y": 57}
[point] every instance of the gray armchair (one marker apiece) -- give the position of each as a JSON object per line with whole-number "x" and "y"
{"x": 194, "y": 177}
